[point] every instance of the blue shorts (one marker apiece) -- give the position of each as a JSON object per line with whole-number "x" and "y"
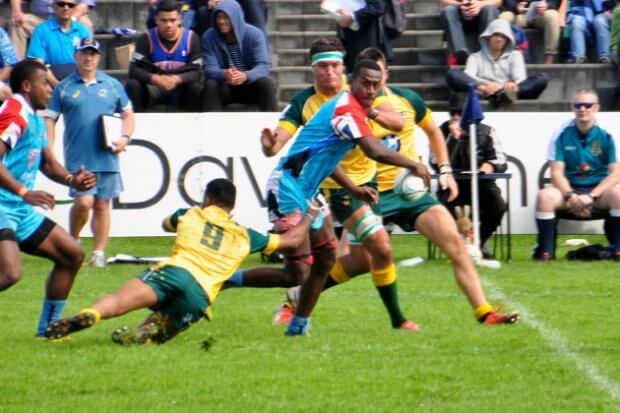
{"x": 285, "y": 196}
{"x": 109, "y": 186}
{"x": 22, "y": 218}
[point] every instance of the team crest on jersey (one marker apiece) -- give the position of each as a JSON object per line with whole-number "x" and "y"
{"x": 103, "y": 92}
{"x": 596, "y": 148}
{"x": 346, "y": 127}
{"x": 76, "y": 94}
{"x": 32, "y": 157}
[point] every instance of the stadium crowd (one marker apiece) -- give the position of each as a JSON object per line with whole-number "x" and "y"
{"x": 174, "y": 66}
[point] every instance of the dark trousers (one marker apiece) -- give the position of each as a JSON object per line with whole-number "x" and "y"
{"x": 530, "y": 88}
{"x": 455, "y": 25}
{"x": 186, "y": 97}
{"x": 261, "y": 92}
{"x": 491, "y": 205}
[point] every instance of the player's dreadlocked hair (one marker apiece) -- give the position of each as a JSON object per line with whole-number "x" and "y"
{"x": 222, "y": 192}
{"x": 325, "y": 44}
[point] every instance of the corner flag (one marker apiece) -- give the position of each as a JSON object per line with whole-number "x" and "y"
{"x": 472, "y": 111}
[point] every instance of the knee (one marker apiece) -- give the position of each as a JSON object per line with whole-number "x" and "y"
{"x": 9, "y": 276}
{"x": 489, "y": 12}
{"x": 75, "y": 257}
{"x": 508, "y": 16}
{"x": 297, "y": 273}
{"x": 101, "y": 206}
{"x": 381, "y": 254}
{"x": 551, "y": 18}
{"x": 450, "y": 12}
{"x": 614, "y": 197}
{"x": 601, "y": 22}
{"x": 547, "y": 199}
{"x": 133, "y": 87}
{"x": 454, "y": 246}
{"x": 211, "y": 86}
{"x": 578, "y": 24}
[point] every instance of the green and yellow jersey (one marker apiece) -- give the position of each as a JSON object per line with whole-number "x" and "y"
{"x": 211, "y": 246}
{"x": 414, "y": 111}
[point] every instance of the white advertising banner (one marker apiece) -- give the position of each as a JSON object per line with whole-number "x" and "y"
{"x": 173, "y": 156}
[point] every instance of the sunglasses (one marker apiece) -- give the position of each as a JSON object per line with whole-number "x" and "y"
{"x": 62, "y": 4}
{"x": 587, "y": 105}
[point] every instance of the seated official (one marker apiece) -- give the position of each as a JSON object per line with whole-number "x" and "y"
{"x": 236, "y": 62}
{"x": 166, "y": 65}
{"x": 490, "y": 159}
{"x": 585, "y": 175}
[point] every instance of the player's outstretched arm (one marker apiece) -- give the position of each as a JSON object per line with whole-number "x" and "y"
{"x": 386, "y": 115}
{"x": 379, "y": 152}
{"x": 294, "y": 237}
{"x": 273, "y": 141}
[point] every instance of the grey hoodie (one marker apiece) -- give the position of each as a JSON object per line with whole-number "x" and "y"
{"x": 510, "y": 66}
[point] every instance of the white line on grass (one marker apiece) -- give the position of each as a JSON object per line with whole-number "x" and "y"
{"x": 559, "y": 344}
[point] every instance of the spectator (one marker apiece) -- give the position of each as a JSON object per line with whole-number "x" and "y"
{"x": 466, "y": 16}
{"x": 489, "y": 159}
{"x": 585, "y": 174}
{"x": 615, "y": 34}
{"x": 587, "y": 20}
{"x": 8, "y": 58}
{"x": 498, "y": 70}
{"x": 23, "y": 24}
{"x": 236, "y": 62}
{"x": 54, "y": 41}
{"x": 188, "y": 9}
{"x": 254, "y": 13}
{"x": 544, "y": 15}
{"x": 166, "y": 65}
{"x": 361, "y": 29}
{"x": 82, "y": 98}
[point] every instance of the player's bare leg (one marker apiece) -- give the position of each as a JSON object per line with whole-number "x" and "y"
{"x": 100, "y": 224}
{"x": 134, "y": 295}
{"x": 10, "y": 262}
{"x": 79, "y": 214}
{"x": 439, "y": 227}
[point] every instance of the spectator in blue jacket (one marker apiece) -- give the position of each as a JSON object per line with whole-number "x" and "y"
{"x": 590, "y": 20}
{"x": 54, "y": 41}
{"x": 236, "y": 62}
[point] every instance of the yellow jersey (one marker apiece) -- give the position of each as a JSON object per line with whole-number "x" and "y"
{"x": 211, "y": 246}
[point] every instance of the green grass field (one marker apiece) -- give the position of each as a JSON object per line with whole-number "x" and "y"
{"x": 563, "y": 355}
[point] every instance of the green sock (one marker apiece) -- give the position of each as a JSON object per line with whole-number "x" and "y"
{"x": 389, "y": 296}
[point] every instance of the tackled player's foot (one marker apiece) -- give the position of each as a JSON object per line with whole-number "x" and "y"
{"x": 65, "y": 326}
{"x": 497, "y": 317}
{"x": 284, "y": 314}
{"x": 135, "y": 335}
{"x": 408, "y": 325}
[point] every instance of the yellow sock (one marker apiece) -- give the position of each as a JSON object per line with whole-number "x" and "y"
{"x": 482, "y": 310}
{"x": 384, "y": 276}
{"x": 338, "y": 273}
{"x": 94, "y": 312}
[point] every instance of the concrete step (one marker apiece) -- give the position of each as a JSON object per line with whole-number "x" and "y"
{"x": 322, "y": 22}
{"x": 120, "y": 13}
{"x": 302, "y": 39}
{"x": 289, "y": 7}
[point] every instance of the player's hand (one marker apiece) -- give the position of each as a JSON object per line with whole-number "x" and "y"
{"x": 17, "y": 18}
{"x": 366, "y": 194}
{"x": 83, "y": 179}
{"x": 40, "y": 198}
{"x": 120, "y": 145}
{"x": 268, "y": 140}
{"x": 421, "y": 170}
{"x": 447, "y": 182}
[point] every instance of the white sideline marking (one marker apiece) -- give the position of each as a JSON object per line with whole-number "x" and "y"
{"x": 557, "y": 342}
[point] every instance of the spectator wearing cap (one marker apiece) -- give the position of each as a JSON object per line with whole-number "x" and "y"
{"x": 490, "y": 158}
{"x": 83, "y": 98}
{"x": 236, "y": 62}
{"x": 54, "y": 41}
{"x": 23, "y": 24}
{"x": 8, "y": 58}
{"x": 498, "y": 70}
{"x": 166, "y": 67}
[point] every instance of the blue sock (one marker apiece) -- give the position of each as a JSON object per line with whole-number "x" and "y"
{"x": 546, "y": 224}
{"x": 52, "y": 311}
{"x": 298, "y": 326}
{"x": 235, "y": 280}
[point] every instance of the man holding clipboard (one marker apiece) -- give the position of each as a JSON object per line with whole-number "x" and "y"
{"x": 86, "y": 99}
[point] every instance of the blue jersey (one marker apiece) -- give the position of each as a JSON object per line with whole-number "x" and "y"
{"x": 82, "y": 106}
{"x": 586, "y": 157}
{"x": 177, "y": 56}
{"x": 23, "y": 131}
{"x": 324, "y": 141}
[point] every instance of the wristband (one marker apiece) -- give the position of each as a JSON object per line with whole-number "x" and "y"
{"x": 68, "y": 179}
{"x": 373, "y": 115}
{"x": 22, "y": 191}
{"x": 445, "y": 169}
{"x": 309, "y": 216}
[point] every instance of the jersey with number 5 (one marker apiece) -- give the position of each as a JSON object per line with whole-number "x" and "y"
{"x": 211, "y": 246}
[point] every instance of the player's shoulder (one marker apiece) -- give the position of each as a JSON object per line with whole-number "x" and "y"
{"x": 16, "y": 108}
{"x": 301, "y": 96}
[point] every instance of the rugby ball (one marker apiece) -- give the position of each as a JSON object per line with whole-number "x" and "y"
{"x": 409, "y": 187}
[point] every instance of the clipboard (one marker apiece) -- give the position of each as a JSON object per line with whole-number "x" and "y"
{"x": 331, "y": 7}
{"x": 111, "y": 130}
